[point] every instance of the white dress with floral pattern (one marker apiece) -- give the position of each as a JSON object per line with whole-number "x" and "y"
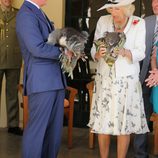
{"x": 117, "y": 105}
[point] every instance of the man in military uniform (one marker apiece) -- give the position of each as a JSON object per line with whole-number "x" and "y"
{"x": 10, "y": 63}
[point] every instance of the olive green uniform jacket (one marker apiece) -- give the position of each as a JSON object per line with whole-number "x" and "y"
{"x": 10, "y": 56}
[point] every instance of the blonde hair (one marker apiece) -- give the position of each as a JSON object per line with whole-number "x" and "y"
{"x": 128, "y": 9}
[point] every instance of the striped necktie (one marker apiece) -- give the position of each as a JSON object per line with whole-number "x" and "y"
{"x": 155, "y": 38}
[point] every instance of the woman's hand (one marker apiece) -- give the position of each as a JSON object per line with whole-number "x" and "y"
{"x": 125, "y": 53}
{"x": 152, "y": 80}
{"x": 101, "y": 52}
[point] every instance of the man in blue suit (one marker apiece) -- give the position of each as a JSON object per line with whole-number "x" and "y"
{"x": 151, "y": 22}
{"x": 44, "y": 82}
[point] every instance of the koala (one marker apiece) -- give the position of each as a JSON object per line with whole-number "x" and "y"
{"x": 113, "y": 42}
{"x": 69, "y": 39}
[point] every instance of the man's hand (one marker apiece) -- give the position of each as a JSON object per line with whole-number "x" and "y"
{"x": 152, "y": 80}
{"x": 69, "y": 54}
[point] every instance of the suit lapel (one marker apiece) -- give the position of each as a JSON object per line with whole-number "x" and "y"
{"x": 47, "y": 21}
{"x": 50, "y": 23}
{"x": 150, "y": 27}
{"x": 39, "y": 14}
{"x": 129, "y": 24}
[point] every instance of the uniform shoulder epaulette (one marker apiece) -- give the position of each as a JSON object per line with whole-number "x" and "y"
{"x": 15, "y": 9}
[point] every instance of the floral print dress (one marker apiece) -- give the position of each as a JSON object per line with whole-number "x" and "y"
{"x": 117, "y": 105}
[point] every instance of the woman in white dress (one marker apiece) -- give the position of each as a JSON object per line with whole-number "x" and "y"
{"x": 117, "y": 104}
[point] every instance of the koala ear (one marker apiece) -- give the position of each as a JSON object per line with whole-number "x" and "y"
{"x": 122, "y": 35}
{"x": 119, "y": 34}
{"x": 105, "y": 33}
{"x": 85, "y": 34}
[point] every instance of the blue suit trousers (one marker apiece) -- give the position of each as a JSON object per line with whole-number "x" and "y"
{"x": 42, "y": 135}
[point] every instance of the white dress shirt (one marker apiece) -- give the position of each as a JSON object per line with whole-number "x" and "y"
{"x": 33, "y": 3}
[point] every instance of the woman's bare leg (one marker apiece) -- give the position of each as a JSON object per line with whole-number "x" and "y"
{"x": 104, "y": 143}
{"x": 122, "y": 145}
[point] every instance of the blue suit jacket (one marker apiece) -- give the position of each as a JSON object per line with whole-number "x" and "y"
{"x": 42, "y": 71}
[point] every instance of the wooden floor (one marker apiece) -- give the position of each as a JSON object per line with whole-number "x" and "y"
{"x": 10, "y": 146}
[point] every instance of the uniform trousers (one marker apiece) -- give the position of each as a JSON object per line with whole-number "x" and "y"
{"x": 12, "y": 104}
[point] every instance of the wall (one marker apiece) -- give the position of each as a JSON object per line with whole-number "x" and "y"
{"x": 55, "y": 9}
